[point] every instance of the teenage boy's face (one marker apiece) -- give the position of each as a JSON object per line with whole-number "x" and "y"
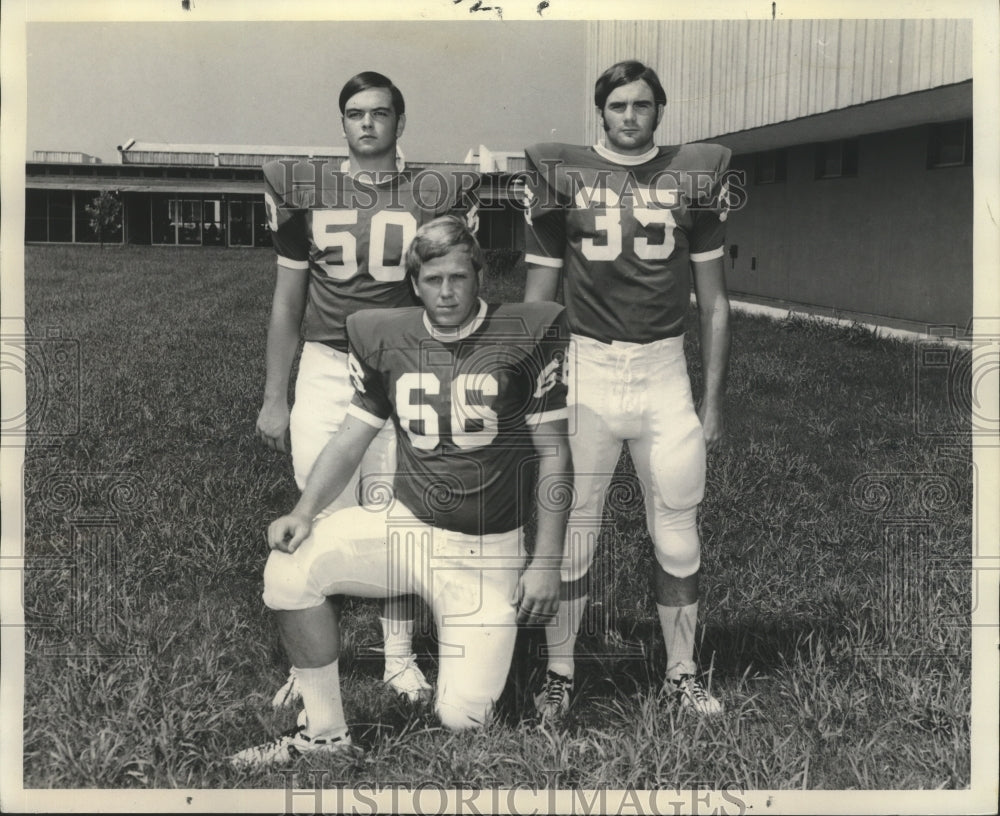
{"x": 449, "y": 289}
{"x": 371, "y": 125}
{"x": 630, "y": 116}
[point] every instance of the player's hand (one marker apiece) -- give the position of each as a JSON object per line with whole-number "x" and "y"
{"x": 288, "y": 532}
{"x": 538, "y": 594}
{"x": 272, "y": 426}
{"x": 711, "y": 426}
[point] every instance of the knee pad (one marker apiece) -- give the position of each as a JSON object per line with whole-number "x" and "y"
{"x": 460, "y": 715}
{"x": 286, "y": 584}
{"x": 676, "y": 542}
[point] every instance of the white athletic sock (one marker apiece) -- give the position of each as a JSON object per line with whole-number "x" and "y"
{"x": 561, "y": 634}
{"x": 397, "y": 636}
{"x": 321, "y": 697}
{"x": 678, "y": 625}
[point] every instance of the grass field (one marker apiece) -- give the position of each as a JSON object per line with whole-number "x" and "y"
{"x": 836, "y": 534}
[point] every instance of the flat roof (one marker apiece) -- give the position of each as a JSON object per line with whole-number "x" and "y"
{"x": 194, "y": 179}
{"x": 278, "y": 150}
{"x": 146, "y": 185}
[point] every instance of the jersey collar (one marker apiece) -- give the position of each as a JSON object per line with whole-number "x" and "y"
{"x": 345, "y": 165}
{"x": 604, "y": 152}
{"x": 457, "y": 334}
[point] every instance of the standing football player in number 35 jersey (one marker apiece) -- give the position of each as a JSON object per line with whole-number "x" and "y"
{"x": 341, "y": 232}
{"x": 625, "y": 223}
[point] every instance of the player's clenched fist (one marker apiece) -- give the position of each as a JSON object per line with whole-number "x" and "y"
{"x": 711, "y": 423}
{"x": 538, "y": 594}
{"x": 288, "y": 532}
{"x": 272, "y": 426}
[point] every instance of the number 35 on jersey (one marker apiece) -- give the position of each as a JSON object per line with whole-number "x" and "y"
{"x": 611, "y": 227}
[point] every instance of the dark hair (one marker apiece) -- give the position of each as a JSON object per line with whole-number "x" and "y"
{"x": 436, "y": 239}
{"x": 372, "y": 79}
{"x": 622, "y": 73}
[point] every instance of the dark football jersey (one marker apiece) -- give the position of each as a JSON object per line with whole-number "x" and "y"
{"x": 463, "y": 407}
{"x": 351, "y": 233}
{"x": 624, "y": 230}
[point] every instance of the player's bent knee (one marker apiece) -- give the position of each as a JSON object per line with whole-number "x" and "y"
{"x": 678, "y": 567}
{"x": 461, "y": 715}
{"x": 286, "y": 584}
{"x": 677, "y": 545}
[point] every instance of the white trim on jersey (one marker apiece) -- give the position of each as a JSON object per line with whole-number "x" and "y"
{"x": 710, "y": 255}
{"x": 288, "y": 263}
{"x": 460, "y": 333}
{"x": 365, "y": 416}
{"x": 607, "y": 153}
{"x": 541, "y": 260}
{"x": 534, "y": 420}
{"x": 345, "y": 165}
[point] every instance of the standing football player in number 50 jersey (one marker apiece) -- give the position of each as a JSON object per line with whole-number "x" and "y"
{"x": 341, "y": 232}
{"x": 625, "y": 223}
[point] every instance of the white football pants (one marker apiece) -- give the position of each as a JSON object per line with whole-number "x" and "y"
{"x": 639, "y": 394}
{"x": 323, "y": 391}
{"x": 468, "y": 581}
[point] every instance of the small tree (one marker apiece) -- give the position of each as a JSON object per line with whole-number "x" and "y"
{"x": 105, "y": 213}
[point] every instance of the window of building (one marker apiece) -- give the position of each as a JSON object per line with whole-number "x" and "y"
{"x": 36, "y": 215}
{"x": 60, "y": 216}
{"x": 950, "y": 144}
{"x": 240, "y": 223}
{"x": 837, "y": 159}
{"x": 213, "y": 228}
{"x": 185, "y": 215}
{"x": 163, "y": 230}
{"x": 84, "y": 234}
{"x": 769, "y": 166}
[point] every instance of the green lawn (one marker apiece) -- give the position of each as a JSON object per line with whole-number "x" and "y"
{"x": 836, "y": 536}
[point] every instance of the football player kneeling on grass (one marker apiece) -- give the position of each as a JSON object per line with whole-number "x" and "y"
{"x": 476, "y": 396}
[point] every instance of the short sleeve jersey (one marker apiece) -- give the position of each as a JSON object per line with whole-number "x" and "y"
{"x": 351, "y": 233}
{"x": 464, "y": 407}
{"x": 624, "y": 230}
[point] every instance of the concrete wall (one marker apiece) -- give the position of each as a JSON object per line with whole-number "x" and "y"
{"x": 896, "y": 241}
